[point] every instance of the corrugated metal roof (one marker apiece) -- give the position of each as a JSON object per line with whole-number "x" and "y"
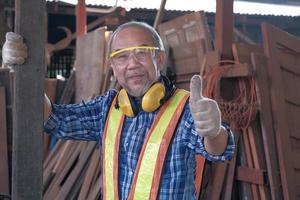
{"x": 240, "y": 7}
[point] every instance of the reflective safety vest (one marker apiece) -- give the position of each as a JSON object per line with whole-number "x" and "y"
{"x": 149, "y": 168}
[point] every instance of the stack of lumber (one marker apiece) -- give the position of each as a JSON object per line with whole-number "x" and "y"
{"x": 257, "y": 92}
{"x": 187, "y": 39}
{"x": 72, "y": 170}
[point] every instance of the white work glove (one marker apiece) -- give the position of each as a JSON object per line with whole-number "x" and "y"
{"x": 205, "y": 111}
{"x": 14, "y": 51}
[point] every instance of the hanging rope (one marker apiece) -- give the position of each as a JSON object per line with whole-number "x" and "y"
{"x": 239, "y": 111}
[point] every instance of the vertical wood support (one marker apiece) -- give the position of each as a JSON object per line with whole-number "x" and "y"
{"x": 224, "y": 28}
{"x": 4, "y": 172}
{"x": 28, "y": 102}
{"x": 160, "y": 14}
{"x": 80, "y": 18}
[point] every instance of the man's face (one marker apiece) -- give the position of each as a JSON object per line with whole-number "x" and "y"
{"x": 136, "y": 75}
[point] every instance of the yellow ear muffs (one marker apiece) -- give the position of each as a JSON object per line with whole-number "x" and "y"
{"x": 125, "y": 103}
{"x": 152, "y": 98}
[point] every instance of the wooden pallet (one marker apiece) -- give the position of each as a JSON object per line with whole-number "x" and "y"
{"x": 188, "y": 39}
{"x": 283, "y": 53}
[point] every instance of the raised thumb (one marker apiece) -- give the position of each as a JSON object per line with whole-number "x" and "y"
{"x": 196, "y": 88}
{"x": 13, "y": 37}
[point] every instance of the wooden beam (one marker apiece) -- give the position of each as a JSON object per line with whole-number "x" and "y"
{"x": 251, "y": 175}
{"x": 28, "y": 102}
{"x": 80, "y": 18}
{"x": 4, "y": 172}
{"x": 224, "y": 28}
{"x": 160, "y": 14}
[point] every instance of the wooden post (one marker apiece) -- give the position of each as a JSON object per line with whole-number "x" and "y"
{"x": 160, "y": 14}
{"x": 80, "y": 18}
{"x": 28, "y": 103}
{"x": 224, "y": 28}
{"x": 4, "y": 172}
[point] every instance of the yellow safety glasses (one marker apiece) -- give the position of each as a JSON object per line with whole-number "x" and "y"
{"x": 141, "y": 53}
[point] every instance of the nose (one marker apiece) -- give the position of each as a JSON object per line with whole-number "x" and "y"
{"x": 132, "y": 60}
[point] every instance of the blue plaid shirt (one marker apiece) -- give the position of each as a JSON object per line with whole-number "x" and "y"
{"x": 85, "y": 121}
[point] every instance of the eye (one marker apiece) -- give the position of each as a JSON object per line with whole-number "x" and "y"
{"x": 142, "y": 53}
{"x": 123, "y": 55}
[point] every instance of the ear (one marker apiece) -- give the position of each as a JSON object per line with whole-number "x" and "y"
{"x": 161, "y": 60}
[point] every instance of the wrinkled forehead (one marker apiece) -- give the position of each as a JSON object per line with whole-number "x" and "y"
{"x": 132, "y": 36}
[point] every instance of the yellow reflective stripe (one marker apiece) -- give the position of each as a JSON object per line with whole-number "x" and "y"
{"x": 109, "y": 147}
{"x": 148, "y": 163}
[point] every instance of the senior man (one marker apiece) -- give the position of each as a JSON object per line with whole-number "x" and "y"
{"x": 149, "y": 133}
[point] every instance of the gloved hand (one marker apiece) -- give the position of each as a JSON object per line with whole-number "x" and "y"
{"x": 14, "y": 51}
{"x": 205, "y": 111}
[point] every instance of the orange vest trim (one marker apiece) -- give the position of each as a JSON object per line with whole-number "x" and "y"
{"x": 163, "y": 148}
{"x": 164, "y": 145}
{"x": 115, "y": 157}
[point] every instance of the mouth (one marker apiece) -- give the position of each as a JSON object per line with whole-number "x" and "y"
{"x": 135, "y": 77}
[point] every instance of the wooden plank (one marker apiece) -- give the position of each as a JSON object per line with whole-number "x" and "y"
{"x": 256, "y": 162}
{"x": 95, "y": 190}
{"x": 294, "y": 113}
{"x": 58, "y": 163}
{"x": 274, "y": 41}
{"x": 249, "y": 161}
{"x": 224, "y": 28}
{"x": 265, "y": 112}
{"x": 91, "y": 171}
{"x": 56, "y": 183}
{"x": 80, "y": 18}
{"x": 251, "y": 175}
{"x": 6, "y": 80}
{"x": 53, "y": 153}
{"x": 90, "y": 53}
{"x": 189, "y": 39}
{"x": 69, "y": 90}
{"x": 290, "y": 80}
{"x": 85, "y": 155}
{"x": 218, "y": 178}
{"x": 242, "y": 37}
{"x": 187, "y": 61}
{"x": 28, "y": 102}
{"x": 242, "y": 52}
{"x": 231, "y": 171}
{"x": 186, "y": 29}
{"x": 4, "y": 172}
{"x": 160, "y": 14}
{"x": 245, "y": 187}
{"x": 49, "y": 164}
{"x": 237, "y": 70}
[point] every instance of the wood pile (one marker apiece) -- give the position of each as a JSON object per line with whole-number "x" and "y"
{"x": 258, "y": 94}
{"x": 72, "y": 170}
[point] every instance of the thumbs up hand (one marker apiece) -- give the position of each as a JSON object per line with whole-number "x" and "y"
{"x": 205, "y": 111}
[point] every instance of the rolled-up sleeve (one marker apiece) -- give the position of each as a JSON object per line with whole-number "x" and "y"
{"x": 196, "y": 142}
{"x": 83, "y": 121}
